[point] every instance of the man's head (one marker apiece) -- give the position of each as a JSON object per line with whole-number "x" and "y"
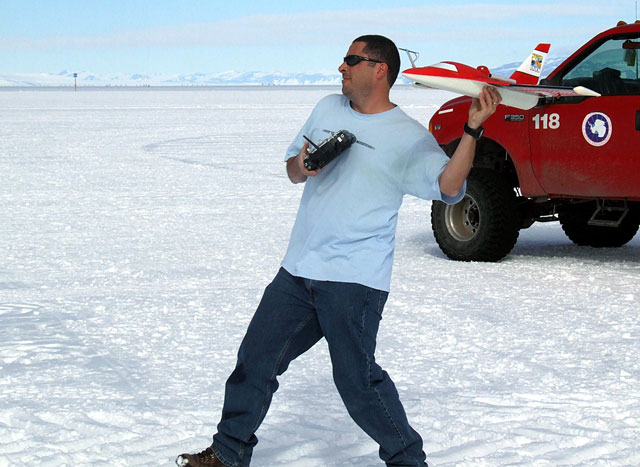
{"x": 383, "y": 49}
{"x": 368, "y": 71}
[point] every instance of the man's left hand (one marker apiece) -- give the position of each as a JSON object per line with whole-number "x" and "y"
{"x": 483, "y": 106}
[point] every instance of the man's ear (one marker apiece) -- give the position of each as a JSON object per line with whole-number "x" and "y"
{"x": 382, "y": 69}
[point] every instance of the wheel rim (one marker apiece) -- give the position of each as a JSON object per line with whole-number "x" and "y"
{"x": 463, "y": 219}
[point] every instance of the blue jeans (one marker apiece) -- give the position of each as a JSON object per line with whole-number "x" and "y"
{"x": 293, "y": 315}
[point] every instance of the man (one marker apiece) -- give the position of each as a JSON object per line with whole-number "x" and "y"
{"x": 335, "y": 276}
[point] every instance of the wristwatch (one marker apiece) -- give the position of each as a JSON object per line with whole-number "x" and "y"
{"x": 476, "y": 133}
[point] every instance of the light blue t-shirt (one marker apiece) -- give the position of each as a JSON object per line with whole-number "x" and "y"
{"x": 346, "y": 224}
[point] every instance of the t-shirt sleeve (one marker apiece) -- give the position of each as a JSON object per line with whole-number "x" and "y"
{"x": 295, "y": 146}
{"x": 425, "y": 164}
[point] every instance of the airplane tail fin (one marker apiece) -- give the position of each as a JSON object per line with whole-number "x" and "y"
{"x": 529, "y": 71}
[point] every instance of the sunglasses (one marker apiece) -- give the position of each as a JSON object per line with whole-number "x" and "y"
{"x": 353, "y": 60}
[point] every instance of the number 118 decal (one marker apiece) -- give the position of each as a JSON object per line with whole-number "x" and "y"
{"x": 547, "y": 121}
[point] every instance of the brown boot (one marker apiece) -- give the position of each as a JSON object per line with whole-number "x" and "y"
{"x": 201, "y": 459}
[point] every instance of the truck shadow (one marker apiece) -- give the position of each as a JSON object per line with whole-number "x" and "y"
{"x": 550, "y": 244}
{"x": 626, "y": 253}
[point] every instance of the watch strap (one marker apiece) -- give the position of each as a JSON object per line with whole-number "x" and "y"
{"x": 476, "y": 133}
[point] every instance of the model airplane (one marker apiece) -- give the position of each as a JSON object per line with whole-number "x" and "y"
{"x": 520, "y": 90}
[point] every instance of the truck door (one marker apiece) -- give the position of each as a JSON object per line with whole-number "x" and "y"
{"x": 583, "y": 147}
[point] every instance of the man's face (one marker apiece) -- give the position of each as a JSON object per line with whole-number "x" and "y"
{"x": 359, "y": 78}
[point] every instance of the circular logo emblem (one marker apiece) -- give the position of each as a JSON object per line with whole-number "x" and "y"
{"x": 596, "y": 128}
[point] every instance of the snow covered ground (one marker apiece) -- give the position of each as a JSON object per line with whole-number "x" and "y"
{"x": 138, "y": 229}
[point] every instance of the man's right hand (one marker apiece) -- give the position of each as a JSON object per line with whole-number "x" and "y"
{"x": 296, "y": 170}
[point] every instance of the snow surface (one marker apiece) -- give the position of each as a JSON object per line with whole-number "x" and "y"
{"x": 138, "y": 229}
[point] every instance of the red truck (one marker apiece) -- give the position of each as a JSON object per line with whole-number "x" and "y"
{"x": 574, "y": 159}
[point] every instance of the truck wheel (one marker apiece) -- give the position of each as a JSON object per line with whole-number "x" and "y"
{"x": 574, "y": 223}
{"x": 484, "y": 226}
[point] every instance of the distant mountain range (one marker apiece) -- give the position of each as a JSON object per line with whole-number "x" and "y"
{"x": 65, "y": 78}
{"x": 255, "y": 78}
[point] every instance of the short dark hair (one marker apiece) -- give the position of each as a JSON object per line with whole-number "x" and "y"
{"x": 383, "y": 49}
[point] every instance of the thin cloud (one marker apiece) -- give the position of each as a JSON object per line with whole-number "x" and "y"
{"x": 327, "y": 27}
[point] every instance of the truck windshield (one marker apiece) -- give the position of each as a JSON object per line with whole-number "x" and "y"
{"x": 611, "y": 69}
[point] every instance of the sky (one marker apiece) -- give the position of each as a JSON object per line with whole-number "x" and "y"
{"x": 197, "y": 36}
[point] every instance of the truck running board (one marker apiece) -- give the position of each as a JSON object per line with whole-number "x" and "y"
{"x": 607, "y": 215}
